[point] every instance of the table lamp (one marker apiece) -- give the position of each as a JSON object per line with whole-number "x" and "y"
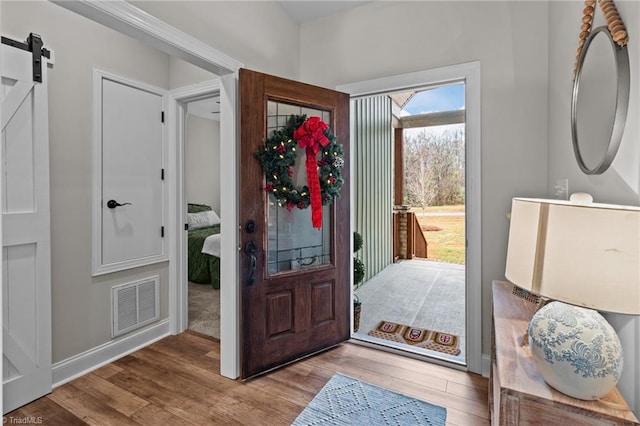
{"x": 585, "y": 257}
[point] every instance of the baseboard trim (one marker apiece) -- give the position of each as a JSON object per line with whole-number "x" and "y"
{"x": 81, "y": 364}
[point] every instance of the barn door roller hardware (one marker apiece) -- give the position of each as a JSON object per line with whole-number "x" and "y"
{"x": 34, "y": 45}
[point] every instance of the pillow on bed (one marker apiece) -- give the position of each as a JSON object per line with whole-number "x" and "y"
{"x": 196, "y": 208}
{"x": 202, "y": 219}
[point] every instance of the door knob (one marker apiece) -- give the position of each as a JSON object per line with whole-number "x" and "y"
{"x": 112, "y": 204}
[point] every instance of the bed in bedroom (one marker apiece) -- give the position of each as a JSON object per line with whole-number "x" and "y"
{"x": 203, "y": 243}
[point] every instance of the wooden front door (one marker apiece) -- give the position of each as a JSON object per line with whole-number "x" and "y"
{"x": 295, "y": 278}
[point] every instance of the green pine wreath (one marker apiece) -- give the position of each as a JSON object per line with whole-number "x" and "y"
{"x": 278, "y": 157}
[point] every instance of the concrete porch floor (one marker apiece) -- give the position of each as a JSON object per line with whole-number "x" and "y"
{"x": 419, "y": 293}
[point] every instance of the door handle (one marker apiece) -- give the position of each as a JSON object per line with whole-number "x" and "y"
{"x": 112, "y": 204}
{"x": 250, "y": 250}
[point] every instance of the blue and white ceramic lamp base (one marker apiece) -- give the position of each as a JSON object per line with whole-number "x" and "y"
{"x": 576, "y": 350}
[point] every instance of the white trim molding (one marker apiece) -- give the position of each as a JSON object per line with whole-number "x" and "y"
{"x": 98, "y": 266}
{"x": 226, "y": 88}
{"x": 134, "y": 22}
{"x": 176, "y": 118}
{"x": 470, "y": 74}
{"x": 86, "y": 362}
{"x": 486, "y": 365}
{"x": 229, "y": 238}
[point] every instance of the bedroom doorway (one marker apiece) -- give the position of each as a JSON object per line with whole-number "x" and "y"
{"x": 202, "y": 184}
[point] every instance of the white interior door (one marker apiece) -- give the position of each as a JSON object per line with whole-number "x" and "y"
{"x": 131, "y": 176}
{"x": 26, "y": 280}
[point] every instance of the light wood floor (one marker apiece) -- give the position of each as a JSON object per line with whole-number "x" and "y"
{"x": 175, "y": 381}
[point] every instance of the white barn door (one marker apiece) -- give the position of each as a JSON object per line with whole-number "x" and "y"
{"x": 26, "y": 259}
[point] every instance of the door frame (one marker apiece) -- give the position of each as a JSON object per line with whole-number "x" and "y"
{"x": 129, "y": 20}
{"x": 225, "y": 87}
{"x": 470, "y": 73}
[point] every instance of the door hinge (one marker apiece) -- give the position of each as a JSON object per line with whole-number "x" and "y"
{"x": 162, "y": 174}
{"x": 162, "y": 116}
{"x": 186, "y": 226}
{"x": 162, "y": 232}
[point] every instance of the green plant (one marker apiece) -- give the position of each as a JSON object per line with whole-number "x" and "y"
{"x": 358, "y": 265}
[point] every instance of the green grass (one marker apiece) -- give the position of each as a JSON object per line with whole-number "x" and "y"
{"x": 458, "y": 208}
{"x": 447, "y": 245}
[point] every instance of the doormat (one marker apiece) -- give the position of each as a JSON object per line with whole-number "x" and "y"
{"x": 418, "y": 337}
{"x": 348, "y": 401}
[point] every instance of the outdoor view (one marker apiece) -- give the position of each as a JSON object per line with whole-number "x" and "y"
{"x": 434, "y": 174}
{"x": 434, "y": 188}
{"x": 417, "y": 303}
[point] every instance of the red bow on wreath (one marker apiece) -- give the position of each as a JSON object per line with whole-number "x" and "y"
{"x": 311, "y": 137}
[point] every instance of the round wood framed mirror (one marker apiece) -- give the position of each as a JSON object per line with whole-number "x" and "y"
{"x": 600, "y": 101}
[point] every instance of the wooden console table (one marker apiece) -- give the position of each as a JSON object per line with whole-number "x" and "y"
{"x": 518, "y": 395}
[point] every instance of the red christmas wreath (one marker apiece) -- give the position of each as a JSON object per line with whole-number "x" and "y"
{"x": 324, "y": 175}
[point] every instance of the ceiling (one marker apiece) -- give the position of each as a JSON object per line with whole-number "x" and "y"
{"x": 205, "y": 108}
{"x": 303, "y": 11}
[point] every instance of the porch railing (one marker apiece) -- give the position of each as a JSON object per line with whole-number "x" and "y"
{"x": 408, "y": 239}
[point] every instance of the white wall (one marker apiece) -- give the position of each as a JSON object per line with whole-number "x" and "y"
{"x": 203, "y": 157}
{"x": 510, "y": 41}
{"x": 257, "y": 33}
{"x": 621, "y": 183}
{"x": 183, "y": 73}
{"x": 81, "y": 314}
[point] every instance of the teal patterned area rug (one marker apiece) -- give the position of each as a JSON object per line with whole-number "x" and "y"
{"x": 348, "y": 401}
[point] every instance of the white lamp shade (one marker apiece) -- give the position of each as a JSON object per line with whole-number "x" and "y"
{"x": 586, "y": 255}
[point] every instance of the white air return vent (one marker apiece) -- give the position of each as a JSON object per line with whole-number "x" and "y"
{"x": 134, "y": 305}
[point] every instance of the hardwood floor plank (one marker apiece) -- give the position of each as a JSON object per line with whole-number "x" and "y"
{"x": 477, "y": 408}
{"x": 197, "y": 344}
{"x": 210, "y": 389}
{"x": 181, "y": 383}
{"x": 88, "y": 408}
{"x": 152, "y": 415}
{"x": 416, "y": 365}
{"x": 45, "y": 411}
{"x": 473, "y": 392}
{"x": 194, "y": 356}
{"x": 107, "y": 371}
{"x": 260, "y": 407}
{"x": 181, "y": 404}
{"x": 298, "y": 396}
{"x": 177, "y": 373}
{"x": 372, "y": 369}
{"x": 111, "y": 395}
{"x": 310, "y": 380}
{"x": 176, "y": 381}
{"x": 461, "y": 418}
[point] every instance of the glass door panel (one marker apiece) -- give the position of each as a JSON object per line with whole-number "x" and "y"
{"x": 293, "y": 243}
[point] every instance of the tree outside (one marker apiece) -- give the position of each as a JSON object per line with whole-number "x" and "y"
{"x": 434, "y": 185}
